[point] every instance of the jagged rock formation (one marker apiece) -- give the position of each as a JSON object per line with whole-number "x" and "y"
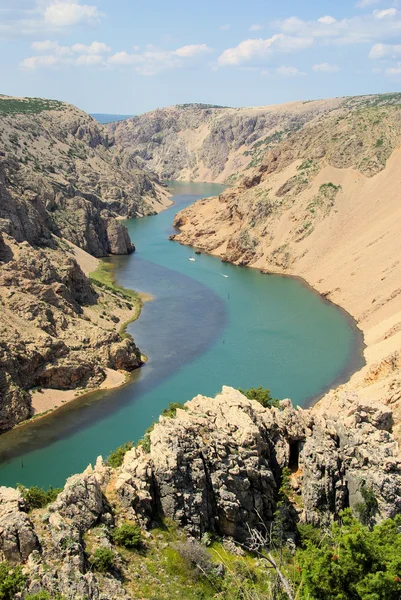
{"x": 215, "y": 467}
{"x": 60, "y": 180}
{"x": 208, "y": 143}
{"x": 202, "y": 143}
{"x": 324, "y": 205}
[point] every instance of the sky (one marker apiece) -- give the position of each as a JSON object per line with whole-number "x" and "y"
{"x": 132, "y": 56}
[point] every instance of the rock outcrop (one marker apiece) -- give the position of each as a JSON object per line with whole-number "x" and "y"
{"x": 216, "y": 467}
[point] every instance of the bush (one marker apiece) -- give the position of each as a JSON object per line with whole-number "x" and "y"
{"x": 36, "y": 497}
{"x": 353, "y": 562}
{"x": 261, "y": 395}
{"x": 367, "y": 509}
{"x": 171, "y": 411}
{"x": 102, "y": 560}
{"x": 115, "y": 458}
{"x": 12, "y": 581}
{"x": 195, "y": 555}
{"x": 128, "y": 535}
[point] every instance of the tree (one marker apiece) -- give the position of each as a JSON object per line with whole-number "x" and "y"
{"x": 261, "y": 395}
{"x": 353, "y": 562}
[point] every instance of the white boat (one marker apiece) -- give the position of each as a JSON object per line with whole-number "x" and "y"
{"x": 191, "y": 259}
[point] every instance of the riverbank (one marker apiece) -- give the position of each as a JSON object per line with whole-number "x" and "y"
{"x": 102, "y": 276}
{"x": 350, "y": 256}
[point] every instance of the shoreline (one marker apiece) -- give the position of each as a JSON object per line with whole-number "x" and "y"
{"x": 359, "y": 352}
{"x": 46, "y": 401}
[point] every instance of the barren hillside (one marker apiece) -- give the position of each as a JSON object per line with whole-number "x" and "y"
{"x": 325, "y": 205}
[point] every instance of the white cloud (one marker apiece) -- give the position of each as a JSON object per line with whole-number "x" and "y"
{"x": 365, "y": 3}
{"x": 89, "y": 60}
{"x": 394, "y": 71}
{"x": 259, "y": 50}
{"x": 379, "y": 51}
{"x": 94, "y": 48}
{"x": 225, "y": 27}
{"x": 54, "y": 55}
{"x": 256, "y": 27}
{"x": 356, "y": 30}
{"x": 388, "y": 13}
{"x": 326, "y": 68}
{"x": 65, "y": 14}
{"x": 193, "y": 50}
{"x": 41, "y": 17}
{"x": 327, "y": 20}
{"x": 289, "y": 71}
{"x": 34, "y": 62}
{"x": 153, "y": 61}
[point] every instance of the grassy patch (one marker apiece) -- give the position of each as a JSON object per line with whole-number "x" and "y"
{"x": 104, "y": 277}
{"x": 15, "y": 106}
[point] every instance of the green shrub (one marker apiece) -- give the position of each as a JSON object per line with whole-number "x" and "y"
{"x": 353, "y": 562}
{"x": 36, "y": 497}
{"x": 115, "y": 458}
{"x": 367, "y": 509}
{"x": 102, "y": 560}
{"x": 12, "y": 581}
{"x": 261, "y": 395}
{"x": 128, "y": 535}
{"x": 171, "y": 411}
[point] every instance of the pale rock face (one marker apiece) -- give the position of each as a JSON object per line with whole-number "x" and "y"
{"x": 217, "y": 466}
{"x": 17, "y": 536}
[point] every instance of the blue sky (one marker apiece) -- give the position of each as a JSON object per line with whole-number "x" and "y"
{"x": 131, "y": 56}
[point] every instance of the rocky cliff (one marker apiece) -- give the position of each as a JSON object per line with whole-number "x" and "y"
{"x": 209, "y": 143}
{"x": 324, "y": 205}
{"x": 60, "y": 181}
{"x": 56, "y": 156}
{"x": 214, "y": 468}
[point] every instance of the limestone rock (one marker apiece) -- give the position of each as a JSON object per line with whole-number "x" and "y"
{"x": 17, "y": 536}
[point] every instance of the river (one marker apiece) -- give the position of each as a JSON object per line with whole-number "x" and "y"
{"x": 210, "y": 324}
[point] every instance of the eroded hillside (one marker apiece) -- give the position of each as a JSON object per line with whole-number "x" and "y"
{"x": 62, "y": 191}
{"x": 209, "y": 143}
{"x": 325, "y": 205}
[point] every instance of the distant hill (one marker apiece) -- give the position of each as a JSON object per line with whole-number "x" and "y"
{"x": 105, "y": 118}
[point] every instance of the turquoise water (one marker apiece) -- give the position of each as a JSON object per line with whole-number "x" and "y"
{"x": 210, "y": 324}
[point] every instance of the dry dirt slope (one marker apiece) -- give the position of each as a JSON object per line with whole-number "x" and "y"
{"x": 325, "y": 205}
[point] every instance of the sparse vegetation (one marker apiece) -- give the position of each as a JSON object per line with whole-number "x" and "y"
{"x": 261, "y": 395}
{"x": 12, "y": 581}
{"x": 171, "y": 411}
{"x": 10, "y": 106}
{"x": 115, "y": 458}
{"x": 102, "y": 560}
{"x": 128, "y": 535}
{"x": 36, "y": 497}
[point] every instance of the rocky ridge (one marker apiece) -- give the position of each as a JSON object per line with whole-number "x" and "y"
{"x": 215, "y": 467}
{"x": 59, "y": 167}
{"x": 201, "y": 142}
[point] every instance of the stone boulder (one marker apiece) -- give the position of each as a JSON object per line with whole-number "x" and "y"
{"x": 17, "y": 535}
